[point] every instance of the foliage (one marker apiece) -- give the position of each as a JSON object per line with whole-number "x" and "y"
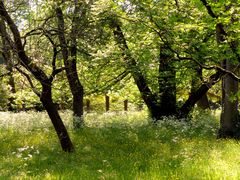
{"x": 116, "y": 146}
{"x": 4, "y": 97}
{"x": 184, "y": 26}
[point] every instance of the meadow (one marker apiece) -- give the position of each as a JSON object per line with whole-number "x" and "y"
{"x": 116, "y": 146}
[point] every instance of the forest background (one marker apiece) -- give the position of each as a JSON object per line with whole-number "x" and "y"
{"x": 168, "y": 55}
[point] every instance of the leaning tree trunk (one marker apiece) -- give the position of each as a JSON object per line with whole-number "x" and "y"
{"x": 197, "y": 80}
{"x": 46, "y": 99}
{"x": 148, "y": 97}
{"x": 230, "y": 124}
{"x": 187, "y": 107}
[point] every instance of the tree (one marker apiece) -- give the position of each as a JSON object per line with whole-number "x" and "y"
{"x": 160, "y": 49}
{"x": 70, "y": 57}
{"x": 46, "y": 82}
{"x": 162, "y": 103}
{"x": 6, "y": 53}
{"x": 229, "y": 126}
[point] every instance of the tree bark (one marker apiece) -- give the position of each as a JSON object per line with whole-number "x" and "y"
{"x": 70, "y": 57}
{"x": 125, "y": 104}
{"x": 230, "y": 122}
{"x": 197, "y": 80}
{"x": 194, "y": 97}
{"x": 46, "y": 99}
{"x": 88, "y": 106}
{"x": 167, "y": 83}
{"x": 148, "y": 97}
{"x": 163, "y": 104}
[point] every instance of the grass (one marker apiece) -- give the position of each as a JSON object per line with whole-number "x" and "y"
{"x": 116, "y": 146}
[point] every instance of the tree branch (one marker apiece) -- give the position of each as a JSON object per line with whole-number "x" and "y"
{"x": 194, "y": 97}
{"x": 30, "y": 81}
{"x": 221, "y": 30}
{"x": 110, "y": 83}
{"x": 55, "y": 72}
{"x": 218, "y": 68}
{"x": 209, "y": 9}
{"x": 24, "y": 59}
{"x": 5, "y": 74}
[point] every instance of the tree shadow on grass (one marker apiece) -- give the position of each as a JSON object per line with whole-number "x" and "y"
{"x": 144, "y": 152}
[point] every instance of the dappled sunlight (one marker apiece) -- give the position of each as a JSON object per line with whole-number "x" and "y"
{"x": 119, "y": 89}
{"x": 117, "y": 119}
{"x": 117, "y": 146}
{"x": 224, "y": 159}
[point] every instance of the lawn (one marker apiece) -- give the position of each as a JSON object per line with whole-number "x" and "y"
{"x": 116, "y": 146}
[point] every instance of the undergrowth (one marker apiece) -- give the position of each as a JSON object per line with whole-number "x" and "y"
{"x": 116, "y": 146}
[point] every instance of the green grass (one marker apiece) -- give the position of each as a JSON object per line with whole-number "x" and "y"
{"x": 116, "y": 146}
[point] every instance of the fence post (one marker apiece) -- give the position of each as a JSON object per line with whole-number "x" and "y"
{"x": 107, "y": 103}
{"x": 88, "y": 106}
{"x": 125, "y": 102}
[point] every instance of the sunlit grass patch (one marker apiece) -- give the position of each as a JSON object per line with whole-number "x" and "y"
{"x": 116, "y": 146}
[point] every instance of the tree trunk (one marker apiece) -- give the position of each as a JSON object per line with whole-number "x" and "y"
{"x": 148, "y": 97}
{"x": 70, "y": 57}
{"x": 197, "y": 80}
{"x": 167, "y": 83}
{"x": 8, "y": 60}
{"x": 203, "y": 102}
{"x": 77, "y": 92}
{"x": 186, "y": 108}
{"x": 88, "y": 106}
{"x": 230, "y": 122}
{"x": 46, "y": 99}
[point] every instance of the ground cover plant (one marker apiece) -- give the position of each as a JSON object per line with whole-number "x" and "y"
{"x": 116, "y": 146}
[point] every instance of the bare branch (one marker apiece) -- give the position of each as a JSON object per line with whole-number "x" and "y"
{"x": 24, "y": 59}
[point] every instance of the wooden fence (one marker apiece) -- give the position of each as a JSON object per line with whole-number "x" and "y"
{"x": 107, "y": 104}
